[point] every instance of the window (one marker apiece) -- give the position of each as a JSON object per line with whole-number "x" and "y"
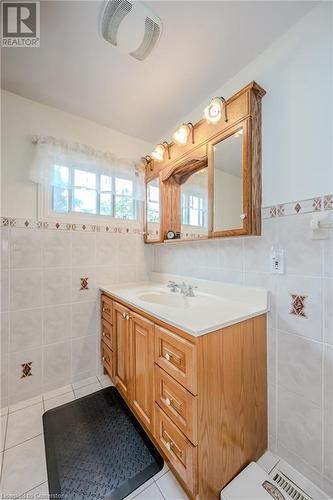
{"x": 194, "y": 210}
{"x": 81, "y": 191}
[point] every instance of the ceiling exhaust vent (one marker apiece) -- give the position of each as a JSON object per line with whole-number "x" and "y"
{"x": 131, "y": 26}
{"x": 287, "y": 485}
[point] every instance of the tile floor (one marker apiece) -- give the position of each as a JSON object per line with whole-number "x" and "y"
{"x": 22, "y": 456}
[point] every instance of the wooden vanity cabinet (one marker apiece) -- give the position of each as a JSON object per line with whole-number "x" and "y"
{"x": 202, "y": 400}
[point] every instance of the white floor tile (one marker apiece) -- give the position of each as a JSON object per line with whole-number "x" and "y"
{"x": 88, "y": 389}
{"x": 105, "y": 381}
{"x": 24, "y": 424}
{"x": 84, "y": 382}
{"x": 3, "y": 427}
{"x": 162, "y": 472}
{"x": 57, "y": 392}
{"x": 40, "y": 492}
{"x": 151, "y": 493}
{"x": 24, "y": 467}
{"x": 24, "y": 404}
{"x": 139, "y": 490}
{"x": 170, "y": 488}
{"x": 3, "y": 411}
{"x": 58, "y": 401}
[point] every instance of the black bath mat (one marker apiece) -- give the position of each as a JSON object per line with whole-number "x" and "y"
{"x": 96, "y": 449}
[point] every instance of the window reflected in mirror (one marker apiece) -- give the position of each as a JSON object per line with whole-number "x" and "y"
{"x": 194, "y": 205}
{"x": 153, "y": 210}
{"x": 228, "y": 183}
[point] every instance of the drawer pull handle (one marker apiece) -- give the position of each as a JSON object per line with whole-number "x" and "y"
{"x": 168, "y": 356}
{"x": 168, "y": 401}
{"x": 103, "y": 358}
{"x": 168, "y": 445}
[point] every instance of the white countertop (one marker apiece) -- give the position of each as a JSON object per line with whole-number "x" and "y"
{"x": 215, "y": 305}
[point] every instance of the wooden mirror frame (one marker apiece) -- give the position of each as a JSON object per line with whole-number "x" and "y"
{"x": 246, "y": 171}
{"x": 243, "y": 109}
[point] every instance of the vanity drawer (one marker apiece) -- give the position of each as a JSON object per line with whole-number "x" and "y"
{"x": 107, "y": 336}
{"x": 177, "y": 448}
{"x": 106, "y": 308}
{"x": 107, "y": 358}
{"x": 179, "y": 404}
{"x": 177, "y": 356}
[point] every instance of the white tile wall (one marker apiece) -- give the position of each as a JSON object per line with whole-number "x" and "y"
{"x": 300, "y": 349}
{"x": 46, "y": 318}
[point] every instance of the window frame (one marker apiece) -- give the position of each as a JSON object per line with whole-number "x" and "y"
{"x": 45, "y": 196}
{"x": 187, "y": 207}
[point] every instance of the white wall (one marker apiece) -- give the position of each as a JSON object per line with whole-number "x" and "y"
{"x": 23, "y": 118}
{"x": 296, "y": 72}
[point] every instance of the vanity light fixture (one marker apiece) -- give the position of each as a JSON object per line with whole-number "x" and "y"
{"x": 182, "y": 133}
{"x": 213, "y": 112}
{"x": 146, "y": 161}
{"x": 159, "y": 152}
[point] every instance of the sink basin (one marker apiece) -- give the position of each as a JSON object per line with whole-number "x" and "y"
{"x": 164, "y": 299}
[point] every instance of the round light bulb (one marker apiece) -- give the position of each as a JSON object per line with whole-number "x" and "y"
{"x": 158, "y": 153}
{"x": 213, "y": 112}
{"x": 181, "y": 134}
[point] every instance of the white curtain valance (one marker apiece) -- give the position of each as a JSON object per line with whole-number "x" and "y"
{"x": 50, "y": 151}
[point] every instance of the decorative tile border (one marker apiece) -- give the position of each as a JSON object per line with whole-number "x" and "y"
{"x": 69, "y": 226}
{"x": 299, "y": 207}
{"x": 281, "y": 210}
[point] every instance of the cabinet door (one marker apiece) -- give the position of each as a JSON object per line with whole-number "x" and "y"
{"x": 142, "y": 367}
{"x": 121, "y": 330}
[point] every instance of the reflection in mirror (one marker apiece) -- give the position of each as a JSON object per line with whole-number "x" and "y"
{"x": 228, "y": 183}
{"x": 194, "y": 205}
{"x": 153, "y": 210}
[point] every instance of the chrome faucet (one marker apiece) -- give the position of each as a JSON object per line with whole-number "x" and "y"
{"x": 173, "y": 286}
{"x": 186, "y": 290}
{"x": 190, "y": 292}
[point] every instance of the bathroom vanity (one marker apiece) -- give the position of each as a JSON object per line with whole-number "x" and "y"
{"x": 193, "y": 371}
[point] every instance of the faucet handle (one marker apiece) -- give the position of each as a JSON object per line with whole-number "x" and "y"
{"x": 173, "y": 286}
{"x": 190, "y": 289}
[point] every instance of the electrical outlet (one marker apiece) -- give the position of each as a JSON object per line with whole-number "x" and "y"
{"x": 277, "y": 260}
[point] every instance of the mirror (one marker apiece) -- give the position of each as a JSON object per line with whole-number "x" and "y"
{"x": 153, "y": 212}
{"x": 228, "y": 183}
{"x": 194, "y": 205}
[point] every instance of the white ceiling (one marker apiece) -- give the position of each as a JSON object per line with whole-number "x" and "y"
{"x": 203, "y": 45}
